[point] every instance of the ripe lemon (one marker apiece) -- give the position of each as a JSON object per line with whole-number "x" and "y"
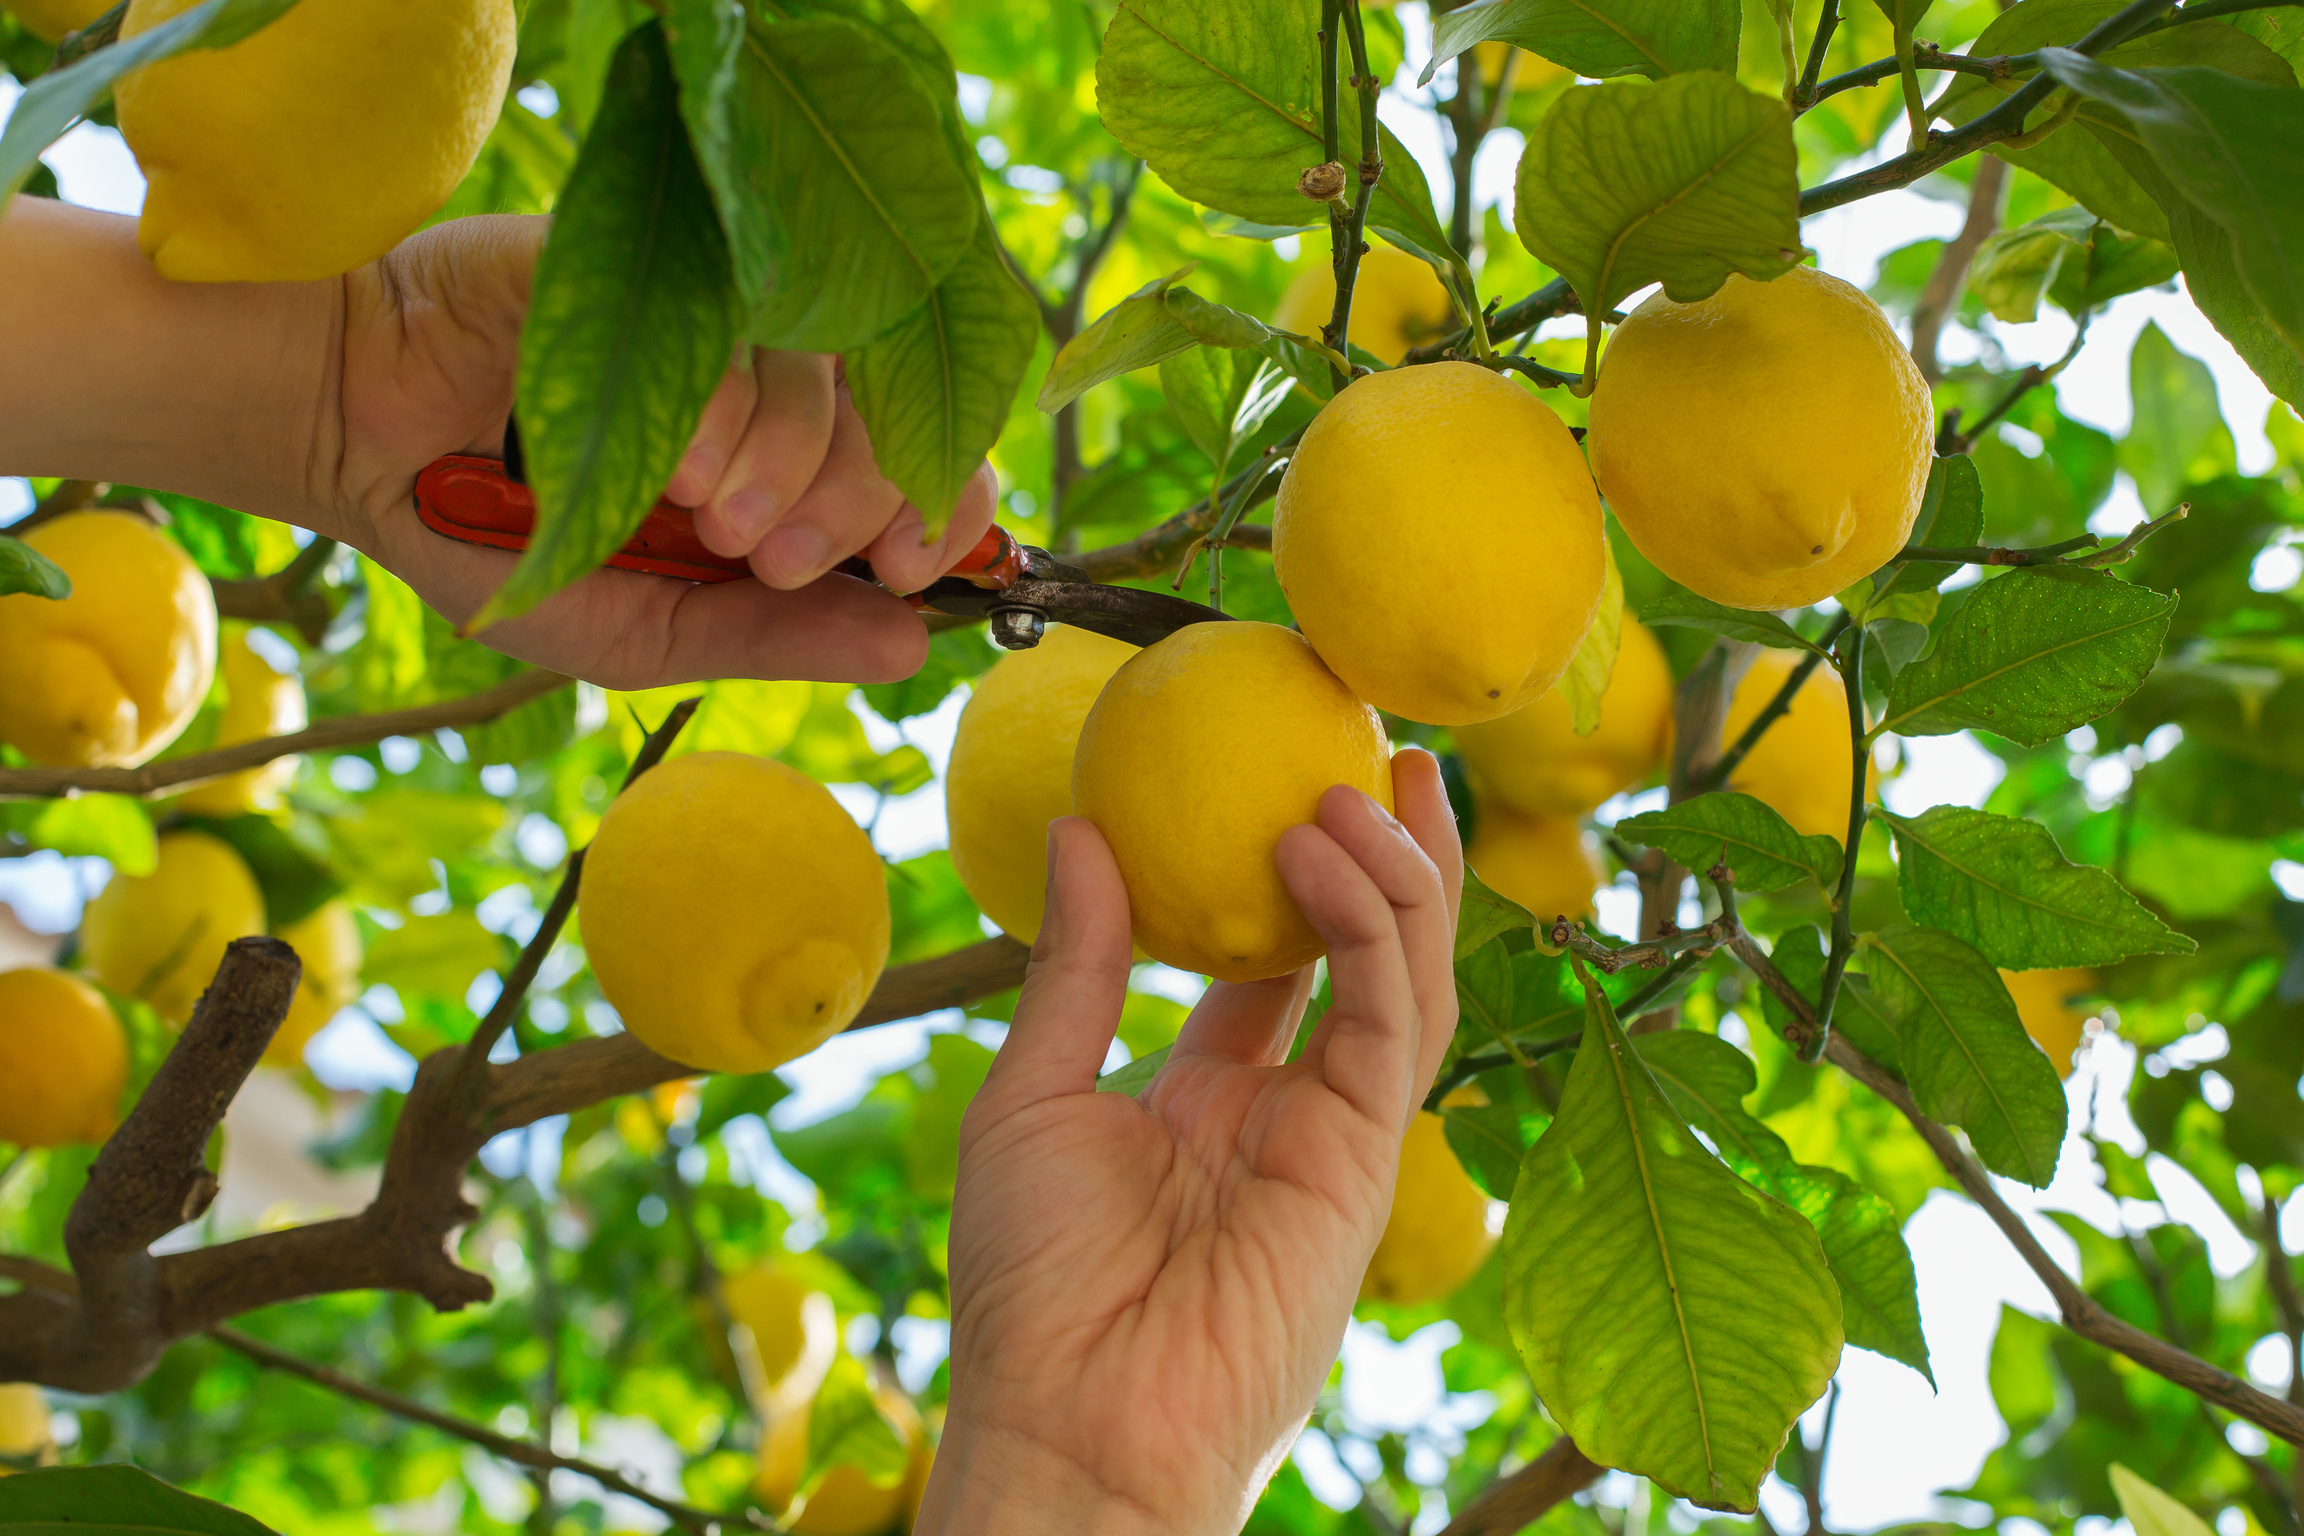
{"x": 161, "y": 936}
{"x": 794, "y": 1332}
{"x": 1800, "y": 765}
{"x": 1545, "y": 863}
{"x": 63, "y": 1060}
{"x": 1765, "y": 446}
{"x": 1011, "y": 770}
{"x": 108, "y": 676}
{"x": 846, "y": 1502}
{"x": 315, "y": 144}
{"x": 1532, "y": 761}
{"x": 734, "y": 915}
{"x": 1437, "y": 1236}
{"x": 26, "y": 1427}
{"x": 1438, "y": 538}
{"x": 1203, "y": 749}
{"x": 49, "y": 20}
{"x": 2043, "y": 1002}
{"x": 1397, "y": 303}
{"x": 328, "y": 942}
{"x": 258, "y": 702}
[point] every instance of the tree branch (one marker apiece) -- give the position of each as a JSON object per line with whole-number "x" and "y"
{"x": 1941, "y": 295}
{"x": 285, "y": 596}
{"x": 342, "y": 731}
{"x": 1510, "y": 1504}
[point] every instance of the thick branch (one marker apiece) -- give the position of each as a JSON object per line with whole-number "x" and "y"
{"x": 1509, "y": 1504}
{"x": 285, "y": 596}
{"x": 342, "y": 731}
{"x": 1157, "y": 549}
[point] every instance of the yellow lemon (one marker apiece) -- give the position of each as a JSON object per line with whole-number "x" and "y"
{"x": 108, "y": 676}
{"x": 258, "y": 702}
{"x": 315, "y": 144}
{"x": 1532, "y": 761}
{"x": 733, "y": 914}
{"x": 1011, "y": 770}
{"x": 2044, "y": 1003}
{"x": 1545, "y": 863}
{"x": 1437, "y": 1236}
{"x": 1800, "y": 766}
{"x": 1397, "y": 303}
{"x": 26, "y": 1426}
{"x": 846, "y": 1502}
{"x": 49, "y": 20}
{"x": 1203, "y": 749}
{"x": 328, "y": 942}
{"x": 794, "y": 1331}
{"x": 63, "y": 1060}
{"x": 1766, "y": 446}
{"x": 1438, "y": 538}
{"x": 161, "y": 936}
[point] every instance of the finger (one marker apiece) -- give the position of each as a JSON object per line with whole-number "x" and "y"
{"x": 778, "y": 455}
{"x": 1249, "y": 1022}
{"x": 841, "y": 512}
{"x": 1367, "y": 1045}
{"x": 906, "y": 561}
{"x": 1421, "y": 800}
{"x": 717, "y": 433}
{"x": 1070, "y": 1006}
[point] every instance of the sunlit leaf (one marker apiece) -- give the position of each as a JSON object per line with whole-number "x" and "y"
{"x": 1598, "y": 38}
{"x": 1724, "y": 827}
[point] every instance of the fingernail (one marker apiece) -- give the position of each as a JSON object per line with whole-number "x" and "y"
{"x": 797, "y": 550}
{"x": 748, "y": 514}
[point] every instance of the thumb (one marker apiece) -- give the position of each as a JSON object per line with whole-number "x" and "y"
{"x": 1070, "y": 1005}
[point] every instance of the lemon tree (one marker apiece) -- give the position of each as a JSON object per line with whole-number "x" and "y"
{"x": 1881, "y": 772}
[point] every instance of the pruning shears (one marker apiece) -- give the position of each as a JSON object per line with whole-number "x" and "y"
{"x": 1017, "y": 589}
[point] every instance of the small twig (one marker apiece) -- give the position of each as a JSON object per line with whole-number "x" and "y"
{"x": 1511, "y": 1504}
{"x": 328, "y": 735}
{"x": 1774, "y": 710}
{"x": 284, "y": 596}
{"x": 1649, "y": 954}
{"x": 1925, "y": 55}
{"x": 1843, "y": 924}
{"x": 1546, "y": 378}
{"x": 1940, "y": 295}
{"x": 2122, "y": 552}
{"x": 103, "y": 32}
{"x": 1812, "y": 1462}
{"x": 1826, "y": 22}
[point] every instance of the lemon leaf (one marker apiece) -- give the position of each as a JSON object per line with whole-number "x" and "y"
{"x": 1483, "y": 913}
{"x": 1598, "y": 38}
{"x": 1594, "y": 664}
{"x": 2151, "y": 1511}
{"x": 25, "y": 569}
{"x": 1757, "y": 625}
{"x": 1138, "y": 332}
{"x": 1680, "y": 183}
{"x": 1951, "y": 516}
{"x": 112, "y": 1501}
{"x": 1725, "y": 827}
{"x": 935, "y": 391}
{"x": 1723, "y": 1319}
{"x": 846, "y": 1428}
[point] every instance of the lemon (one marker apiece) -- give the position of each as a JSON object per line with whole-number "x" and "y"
{"x": 1437, "y": 1236}
{"x": 1438, "y": 538}
{"x": 1545, "y": 863}
{"x": 328, "y": 942}
{"x": 63, "y": 1060}
{"x": 846, "y": 1502}
{"x": 794, "y": 1332}
{"x": 1532, "y": 761}
{"x": 1766, "y": 446}
{"x": 2043, "y": 1002}
{"x": 108, "y": 676}
{"x": 1397, "y": 303}
{"x": 1801, "y": 764}
{"x": 161, "y": 936}
{"x": 26, "y": 1427}
{"x": 1203, "y": 749}
{"x": 315, "y": 144}
{"x": 49, "y": 20}
{"x": 258, "y": 702}
{"x": 733, "y": 914}
{"x": 1011, "y": 769}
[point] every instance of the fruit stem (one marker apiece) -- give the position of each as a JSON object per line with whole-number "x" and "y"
{"x": 1843, "y": 926}
{"x": 1915, "y": 109}
{"x": 1787, "y": 45}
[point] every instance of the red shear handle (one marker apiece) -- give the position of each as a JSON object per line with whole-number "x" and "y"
{"x": 472, "y": 500}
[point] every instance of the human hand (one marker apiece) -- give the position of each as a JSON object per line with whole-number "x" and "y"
{"x": 780, "y": 471}
{"x": 1147, "y": 1293}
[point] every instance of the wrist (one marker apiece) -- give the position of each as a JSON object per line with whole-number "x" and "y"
{"x": 989, "y": 1480}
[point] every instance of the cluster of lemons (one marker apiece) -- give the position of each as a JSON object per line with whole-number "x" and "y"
{"x": 109, "y": 677}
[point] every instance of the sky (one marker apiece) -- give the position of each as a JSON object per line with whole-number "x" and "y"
{"x": 1896, "y": 1444}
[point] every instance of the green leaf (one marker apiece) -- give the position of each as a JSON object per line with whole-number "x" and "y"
{"x": 1965, "y": 1053}
{"x": 1681, "y": 183}
{"x": 2152, "y": 1512}
{"x": 1725, "y": 827}
{"x": 1951, "y": 516}
{"x": 25, "y": 569}
{"x": 845, "y": 143}
{"x": 1484, "y": 987}
{"x": 845, "y": 1429}
{"x": 112, "y": 827}
{"x": 728, "y": 1095}
{"x": 1137, "y": 332}
{"x": 1758, "y": 625}
{"x": 125, "y": 1501}
{"x": 436, "y": 955}
{"x": 1708, "y": 1081}
{"x": 2001, "y": 883}
{"x": 1216, "y": 324}
{"x": 1598, "y": 39}
{"x": 1594, "y": 665}
{"x": 2031, "y": 655}
{"x": 632, "y": 325}
{"x": 1489, "y": 1140}
{"x": 1721, "y": 1317}
{"x": 932, "y": 1146}
{"x": 1136, "y": 1076}
{"x": 2235, "y": 147}
{"x": 2111, "y": 264}
{"x": 935, "y": 391}
{"x": 2177, "y": 427}
{"x": 705, "y": 39}
{"x": 2212, "y": 278}
{"x": 1171, "y": 69}
{"x": 1903, "y": 14}
{"x": 294, "y": 881}
{"x": 1221, "y": 397}
{"x": 1483, "y": 914}
{"x": 58, "y": 99}
{"x": 1896, "y": 643}
{"x": 2013, "y": 268}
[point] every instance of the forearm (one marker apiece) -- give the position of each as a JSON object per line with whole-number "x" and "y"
{"x": 110, "y": 372}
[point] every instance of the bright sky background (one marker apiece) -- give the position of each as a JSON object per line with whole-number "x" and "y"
{"x": 1896, "y": 1445}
